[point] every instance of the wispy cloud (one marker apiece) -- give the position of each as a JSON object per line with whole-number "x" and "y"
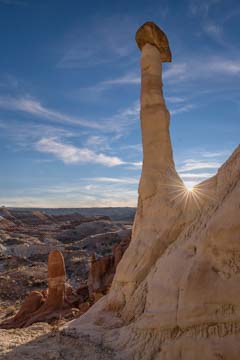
{"x": 181, "y": 109}
{"x": 98, "y": 142}
{"x": 175, "y": 99}
{"x": 106, "y": 41}
{"x": 137, "y": 165}
{"x": 126, "y": 79}
{"x": 135, "y": 147}
{"x": 88, "y": 192}
{"x": 89, "y": 184}
{"x": 214, "y": 31}
{"x": 202, "y": 7}
{"x": 113, "y": 123}
{"x": 192, "y": 164}
{"x": 175, "y": 72}
{"x": 94, "y": 92}
{"x": 34, "y": 107}
{"x": 230, "y": 67}
{"x": 107, "y": 180}
{"x": 192, "y": 179}
{"x": 214, "y": 154}
{"x": 71, "y": 154}
{"x": 26, "y": 136}
{"x": 194, "y": 176}
{"x": 86, "y": 198}
{"x": 191, "y": 72}
{"x": 124, "y": 118}
{"x": 212, "y": 26}
{"x": 202, "y": 166}
{"x": 197, "y": 69}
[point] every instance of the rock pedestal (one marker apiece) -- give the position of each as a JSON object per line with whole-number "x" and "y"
{"x": 45, "y": 305}
{"x": 56, "y": 280}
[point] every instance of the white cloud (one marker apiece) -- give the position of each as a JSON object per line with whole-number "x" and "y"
{"x": 88, "y": 192}
{"x": 202, "y": 166}
{"x": 195, "y": 176}
{"x": 192, "y": 164}
{"x": 26, "y": 135}
{"x": 134, "y": 147}
{"x": 175, "y": 72}
{"x": 128, "y": 198}
{"x": 196, "y": 69}
{"x": 98, "y": 142}
{"x": 130, "y": 181}
{"x": 126, "y": 79}
{"x": 208, "y": 154}
{"x": 115, "y": 123}
{"x": 94, "y": 93}
{"x": 135, "y": 165}
{"x": 229, "y": 67}
{"x": 192, "y": 70}
{"x": 71, "y": 154}
{"x": 34, "y": 107}
{"x": 181, "y": 109}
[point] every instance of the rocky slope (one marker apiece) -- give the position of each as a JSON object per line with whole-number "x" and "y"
{"x": 27, "y": 237}
{"x": 176, "y": 292}
{"x": 42, "y": 341}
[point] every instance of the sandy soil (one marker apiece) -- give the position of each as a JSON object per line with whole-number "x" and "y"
{"x": 44, "y": 342}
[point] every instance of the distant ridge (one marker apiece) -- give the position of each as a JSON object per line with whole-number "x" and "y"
{"x": 115, "y": 213}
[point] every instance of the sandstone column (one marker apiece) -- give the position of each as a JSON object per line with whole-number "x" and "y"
{"x": 37, "y": 307}
{"x": 157, "y": 149}
{"x": 56, "y": 279}
{"x": 55, "y": 302}
{"x": 155, "y": 222}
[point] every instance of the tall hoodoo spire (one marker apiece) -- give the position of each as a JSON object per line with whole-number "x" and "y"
{"x": 156, "y": 212}
{"x": 157, "y": 148}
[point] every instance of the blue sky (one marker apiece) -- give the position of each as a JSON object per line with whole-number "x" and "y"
{"x": 69, "y": 96}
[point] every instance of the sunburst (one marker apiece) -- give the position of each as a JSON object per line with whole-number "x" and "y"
{"x": 187, "y": 194}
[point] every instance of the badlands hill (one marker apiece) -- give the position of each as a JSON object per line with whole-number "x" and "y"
{"x": 175, "y": 294}
{"x": 27, "y": 237}
{"x": 115, "y": 213}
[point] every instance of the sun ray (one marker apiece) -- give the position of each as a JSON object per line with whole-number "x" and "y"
{"x": 189, "y": 194}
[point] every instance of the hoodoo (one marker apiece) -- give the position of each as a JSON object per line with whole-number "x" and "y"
{"x": 159, "y": 209}
{"x": 175, "y": 294}
{"x": 55, "y": 301}
{"x": 44, "y": 305}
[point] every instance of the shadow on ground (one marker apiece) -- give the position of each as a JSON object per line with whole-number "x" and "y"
{"x": 20, "y": 344}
